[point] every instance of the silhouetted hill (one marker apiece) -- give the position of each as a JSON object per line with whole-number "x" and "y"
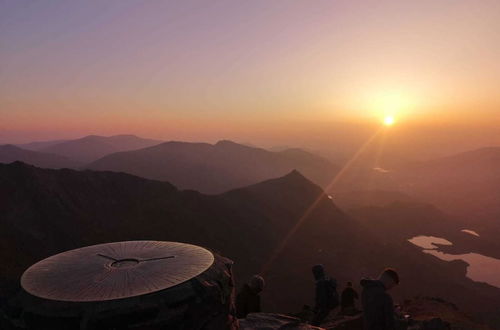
{"x": 92, "y": 147}
{"x": 215, "y": 168}
{"x": 10, "y": 153}
{"x": 49, "y": 211}
{"x": 56, "y": 210}
{"x": 39, "y": 145}
{"x": 466, "y": 183}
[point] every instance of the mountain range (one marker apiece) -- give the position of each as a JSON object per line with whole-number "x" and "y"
{"x": 10, "y": 153}
{"x": 92, "y": 147}
{"x": 215, "y": 168}
{"x": 199, "y": 166}
{"x": 51, "y": 211}
{"x": 464, "y": 184}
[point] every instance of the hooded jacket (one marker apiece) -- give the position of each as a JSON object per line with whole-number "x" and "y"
{"x": 378, "y": 308}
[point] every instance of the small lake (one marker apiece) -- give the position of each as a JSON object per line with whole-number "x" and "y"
{"x": 470, "y": 232}
{"x": 481, "y": 268}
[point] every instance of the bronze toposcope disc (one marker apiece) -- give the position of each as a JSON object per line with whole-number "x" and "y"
{"x": 115, "y": 270}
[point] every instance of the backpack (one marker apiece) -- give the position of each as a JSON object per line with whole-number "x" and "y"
{"x": 333, "y": 296}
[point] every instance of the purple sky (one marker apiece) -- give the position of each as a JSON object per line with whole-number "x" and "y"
{"x": 210, "y": 69}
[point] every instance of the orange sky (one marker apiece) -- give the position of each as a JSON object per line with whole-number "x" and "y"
{"x": 282, "y": 71}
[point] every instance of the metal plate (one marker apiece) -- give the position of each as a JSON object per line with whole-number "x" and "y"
{"x": 115, "y": 270}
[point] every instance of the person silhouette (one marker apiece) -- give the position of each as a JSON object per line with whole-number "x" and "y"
{"x": 248, "y": 299}
{"x": 326, "y": 295}
{"x": 347, "y": 299}
{"x": 378, "y": 307}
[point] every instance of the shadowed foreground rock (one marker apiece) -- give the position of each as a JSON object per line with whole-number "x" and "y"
{"x": 204, "y": 302}
{"x": 266, "y": 321}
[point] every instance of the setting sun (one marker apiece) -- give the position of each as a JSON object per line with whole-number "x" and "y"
{"x": 389, "y": 121}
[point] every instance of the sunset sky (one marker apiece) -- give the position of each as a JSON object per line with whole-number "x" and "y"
{"x": 205, "y": 70}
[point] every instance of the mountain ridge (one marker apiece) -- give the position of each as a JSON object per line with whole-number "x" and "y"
{"x": 51, "y": 211}
{"x": 11, "y": 153}
{"x": 215, "y": 168}
{"x": 92, "y": 147}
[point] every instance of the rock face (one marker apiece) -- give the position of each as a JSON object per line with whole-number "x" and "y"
{"x": 267, "y": 321}
{"x": 204, "y": 302}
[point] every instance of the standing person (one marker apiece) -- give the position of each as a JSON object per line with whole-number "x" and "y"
{"x": 378, "y": 308}
{"x": 326, "y": 295}
{"x": 347, "y": 299}
{"x": 248, "y": 299}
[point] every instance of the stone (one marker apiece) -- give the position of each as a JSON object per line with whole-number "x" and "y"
{"x": 269, "y": 321}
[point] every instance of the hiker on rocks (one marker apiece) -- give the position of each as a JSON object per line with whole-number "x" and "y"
{"x": 248, "y": 299}
{"x": 327, "y": 297}
{"x": 347, "y": 300}
{"x": 378, "y": 308}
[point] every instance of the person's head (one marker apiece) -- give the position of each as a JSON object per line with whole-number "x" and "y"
{"x": 318, "y": 271}
{"x": 256, "y": 283}
{"x": 389, "y": 278}
{"x": 349, "y": 284}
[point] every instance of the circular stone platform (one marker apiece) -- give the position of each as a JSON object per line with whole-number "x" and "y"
{"x": 115, "y": 270}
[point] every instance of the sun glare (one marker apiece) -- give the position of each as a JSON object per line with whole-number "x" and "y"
{"x": 389, "y": 121}
{"x": 388, "y": 105}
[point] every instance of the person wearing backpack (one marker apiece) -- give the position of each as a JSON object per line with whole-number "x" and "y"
{"x": 327, "y": 297}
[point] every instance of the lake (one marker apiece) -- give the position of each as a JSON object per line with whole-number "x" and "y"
{"x": 480, "y": 268}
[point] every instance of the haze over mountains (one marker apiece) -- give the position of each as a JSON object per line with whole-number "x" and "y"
{"x": 92, "y": 147}
{"x": 56, "y": 210}
{"x": 464, "y": 184}
{"x": 199, "y": 166}
{"x": 39, "y": 145}
{"x": 71, "y": 153}
{"x": 10, "y": 153}
{"x": 215, "y": 168}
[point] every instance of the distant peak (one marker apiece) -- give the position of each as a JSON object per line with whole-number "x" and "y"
{"x": 92, "y": 137}
{"x": 296, "y": 175}
{"x": 293, "y": 182}
{"x": 232, "y": 144}
{"x": 296, "y": 178}
{"x": 225, "y": 142}
{"x": 125, "y": 135}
